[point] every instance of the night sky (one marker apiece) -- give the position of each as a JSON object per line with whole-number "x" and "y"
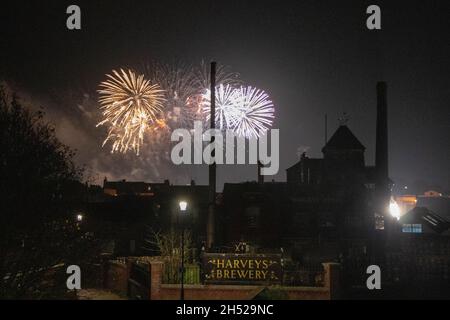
{"x": 312, "y": 57}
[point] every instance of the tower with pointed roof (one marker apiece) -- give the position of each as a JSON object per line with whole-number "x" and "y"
{"x": 344, "y": 148}
{"x": 343, "y": 161}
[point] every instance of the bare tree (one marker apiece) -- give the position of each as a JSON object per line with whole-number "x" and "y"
{"x": 168, "y": 246}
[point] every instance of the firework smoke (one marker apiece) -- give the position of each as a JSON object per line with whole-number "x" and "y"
{"x": 177, "y": 81}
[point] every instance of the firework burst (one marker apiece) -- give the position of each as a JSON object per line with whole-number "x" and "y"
{"x": 226, "y": 109}
{"x": 225, "y": 81}
{"x": 178, "y": 82}
{"x": 186, "y": 90}
{"x": 254, "y": 112}
{"x": 131, "y": 105}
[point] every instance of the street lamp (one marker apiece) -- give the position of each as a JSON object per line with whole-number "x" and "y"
{"x": 79, "y": 217}
{"x": 183, "y": 207}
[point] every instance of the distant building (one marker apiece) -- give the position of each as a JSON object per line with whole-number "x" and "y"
{"x": 253, "y": 212}
{"x": 130, "y": 211}
{"x": 436, "y": 202}
{"x": 406, "y": 203}
{"x": 432, "y": 200}
{"x": 422, "y": 220}
{"x": 343, "y": 160}
{"x": 330, "y": 208}
{"x": 324, "y": 200}
{"x": 130, "y": 188}
{"x": 336, "y": 191}
{"x": 432, "y": 194}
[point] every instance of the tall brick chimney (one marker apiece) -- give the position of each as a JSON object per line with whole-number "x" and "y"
{"x": 381, "y": 152}
{"x": 210, "y": 224}
{"x": 381, "y": 158}
{"x": 260, "y": 176}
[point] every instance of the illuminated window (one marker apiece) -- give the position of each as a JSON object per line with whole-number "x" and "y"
{"x": 412, "y": 228}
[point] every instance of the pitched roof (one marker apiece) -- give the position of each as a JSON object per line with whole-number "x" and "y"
{"x": 343, "y": 139}
{"x": 422, "y": 214}
{"x": 310, "y": 161}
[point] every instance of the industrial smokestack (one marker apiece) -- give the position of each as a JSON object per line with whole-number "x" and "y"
{"x": 260, "y": 176}
{"x": 210, "y": 232}
{"x": 381, "y": 152}
{"x": 381, "y": 161}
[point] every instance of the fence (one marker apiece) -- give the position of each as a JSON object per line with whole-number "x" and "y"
{"x": 310, "y": 276}
{"x": 139, "y": 278}
{"x": 139, "y": 282}
{"x": 172, "y": 273}
{"x": 296, "y": 274}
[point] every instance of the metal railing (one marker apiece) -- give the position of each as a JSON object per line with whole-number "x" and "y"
{"x": 172, "y": 273}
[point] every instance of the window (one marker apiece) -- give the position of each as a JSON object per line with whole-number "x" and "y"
{"x": 252, "y": 215}
{"x": 412, "y": 228}
{"x": 370, "y": 186}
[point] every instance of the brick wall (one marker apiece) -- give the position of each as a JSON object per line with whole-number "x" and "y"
{"x": 208, "y": 292}
{"x": 118, "y": 274}
{"x": 160, "y": 291}
{"x": 116, "y": 278}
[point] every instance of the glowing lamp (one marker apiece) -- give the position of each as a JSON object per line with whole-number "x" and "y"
{"x": 394, "y": 209}
{"x": 183, "y": 205}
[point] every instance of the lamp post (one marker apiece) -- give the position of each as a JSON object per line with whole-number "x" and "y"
{"x": 183, "y": 207}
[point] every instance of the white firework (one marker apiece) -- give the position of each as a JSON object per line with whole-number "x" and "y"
{"x": 226, "y": 109}
{"x": 254, "y": 112}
